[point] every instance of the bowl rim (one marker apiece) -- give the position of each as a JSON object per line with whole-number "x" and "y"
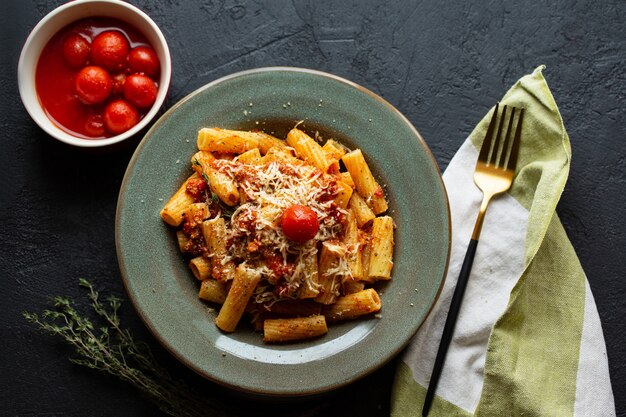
{"x": 47, "y": 125}
{"x": 268, "y": 393}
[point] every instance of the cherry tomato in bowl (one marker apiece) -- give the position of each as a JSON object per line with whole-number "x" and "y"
{"x": 76, "y": 50}
{"x": 118, "y": 83}
{"x": 143, "y": 59}
{"x": 140, "y": 90}
{"x": 110, "y": 50}
{"x": 119, "y": 116}
{"x": 93, "y": 85}
{"x": 299, "y": 223}
{"x": 95, "y": 125}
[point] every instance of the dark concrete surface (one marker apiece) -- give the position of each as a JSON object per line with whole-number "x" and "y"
{"x": 443, "y": 64}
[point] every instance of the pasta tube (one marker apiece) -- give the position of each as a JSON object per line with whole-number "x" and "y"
{"x": 213, "y": 291}
{"x": 266, "y": 142}
{"x": 201, "y": 161}
{"x": 220, "y": 183}
{"x": 198, "y": 212}
{"x": 308, "y": 149}
{"x": 330, "y": 258}
{"x": 201, "y": 268}
{"x": 353, "y": 247}
{"x": 276, "y": 154}
{"x": 182, "y": 240}
{"x": 381, "y": 250}
{"x": 224, "y": 187}
{"x": 253, "y": 156}
{"x": 310, "y": 288}
{"x": 353, "y": 305}
{"x": 344, "y": 194}
{"x": 284, "y": 330}
{"x": 333, "y": 149}
{"x": 364, "y": 181}
{"x": 214, "y": 232}
{"x": 334, "y": 152}
{"x": 363, "y": 214}
{"x": 347, "y": 178}
{"x": 227, "y": 141}
{"x": 173, "y": 211}
{"x": 241, "y": 290}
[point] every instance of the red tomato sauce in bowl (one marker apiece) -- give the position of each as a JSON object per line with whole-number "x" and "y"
{"x": 56, "y": 80}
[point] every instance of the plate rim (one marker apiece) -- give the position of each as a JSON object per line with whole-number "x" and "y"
{"x": 120, "y": 204}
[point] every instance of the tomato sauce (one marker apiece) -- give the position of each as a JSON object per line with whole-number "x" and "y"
{"x": 54, "y": 79}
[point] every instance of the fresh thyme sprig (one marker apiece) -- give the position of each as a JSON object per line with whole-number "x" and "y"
{"x": 112, "y": 349}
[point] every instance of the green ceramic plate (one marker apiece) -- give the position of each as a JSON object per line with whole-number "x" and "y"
{"x": 164, "y": 291}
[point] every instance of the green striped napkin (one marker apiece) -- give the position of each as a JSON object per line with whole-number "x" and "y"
{"x": 528, "y": 341}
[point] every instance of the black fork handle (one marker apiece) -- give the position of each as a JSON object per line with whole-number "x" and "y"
{"x": 448, "y": 329}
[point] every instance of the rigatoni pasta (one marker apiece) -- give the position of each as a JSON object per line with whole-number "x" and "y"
{"x": 330, "y": 272}
{"x": 220, "y": 184}
{"x": 308, "y": 149}
{"x": 344, "y": 194}
{"x": 381, "y": 249}
{"x": 214, "y": 232}
{"x": 174, "y": 211}
{"x": 353, "y": 243}
{"x": 213, "y": 290}
{"x": 363, "y": 214}
{"x": 284, "y": 330}
{"x": 242, "y": 288}
{"x": 310, "y": 269}
{"x": 200, "y": 267}
{"x": 273, "y": 229}
{"x": 228, "y": 141}
{"x": 364, "y": 181}
{"x": 353, "y": 305}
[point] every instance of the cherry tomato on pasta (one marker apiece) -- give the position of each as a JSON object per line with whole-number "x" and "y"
{"x": 299, "y": 223}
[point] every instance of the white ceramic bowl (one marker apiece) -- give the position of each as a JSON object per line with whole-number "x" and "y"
{"x": 61, "y": 17}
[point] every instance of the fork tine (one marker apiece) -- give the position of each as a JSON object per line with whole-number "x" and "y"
{"x": 486, "y": 146}
{"x": 497, "y": 142}
{"x": 516, "y": 141}
{"x": 506, "y": 152}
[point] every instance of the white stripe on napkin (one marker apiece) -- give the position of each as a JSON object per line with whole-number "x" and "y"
{"x": 594, "y": 395}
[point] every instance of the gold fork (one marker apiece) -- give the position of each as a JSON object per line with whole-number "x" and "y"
{"x": 494, "y": 174}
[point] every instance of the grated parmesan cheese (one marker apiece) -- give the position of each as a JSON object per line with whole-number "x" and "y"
{"x": 268, "y": 191}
